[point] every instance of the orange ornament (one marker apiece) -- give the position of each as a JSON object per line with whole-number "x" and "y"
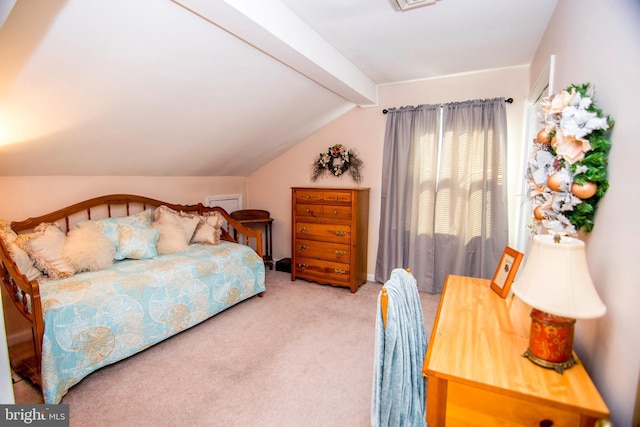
{"x": 584, "y": 191}
{"x": 554, "y": 182}
{"x": 538, "y": 213}
{"x": 543, "y": 137}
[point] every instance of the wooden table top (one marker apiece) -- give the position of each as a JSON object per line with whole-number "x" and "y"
{"x": 478, "y": 339}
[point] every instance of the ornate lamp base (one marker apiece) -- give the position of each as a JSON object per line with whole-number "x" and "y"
{"x": 551, "y": 341}
{"x": 556, "y": 366}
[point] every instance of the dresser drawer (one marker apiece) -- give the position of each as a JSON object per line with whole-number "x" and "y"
{"x": 322, "y": 271}
{"x": 307, "y": 196}
{"x": 334, "y": 233}
{"x": 304, "y": 211}
{"x": 313, "y": 249}
{"x": 327, "y": 196}
{"x": 471, "y": 406}
{"x": 337, "y": 196}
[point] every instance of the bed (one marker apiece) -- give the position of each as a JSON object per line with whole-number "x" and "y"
{"x": 61, "y": 328}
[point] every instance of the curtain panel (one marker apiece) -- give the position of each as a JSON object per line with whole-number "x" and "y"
{"x": 443, "y": 197}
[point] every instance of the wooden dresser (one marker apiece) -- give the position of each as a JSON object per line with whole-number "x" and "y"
{"x": 329, "y": 235}
{"x": 477, "y": 376}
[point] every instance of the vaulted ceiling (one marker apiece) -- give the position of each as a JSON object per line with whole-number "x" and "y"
{"x": 221, "y": 87}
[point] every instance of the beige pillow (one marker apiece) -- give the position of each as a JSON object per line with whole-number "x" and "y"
{"x": 44, "y": 246}
{"x": 176, "y": 229}
{"x": 87, "y": 248}
{"x": 189, "y": 223}
{"x": 209, "y": 229}
{"x": 171, "y": 238}
{"x": 20, "y": 257}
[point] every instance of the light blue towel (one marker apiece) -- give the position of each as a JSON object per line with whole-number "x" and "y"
{"x": 398, "y": 397}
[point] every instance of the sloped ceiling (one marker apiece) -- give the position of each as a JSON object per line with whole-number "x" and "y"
{"x": 221, "y": 87}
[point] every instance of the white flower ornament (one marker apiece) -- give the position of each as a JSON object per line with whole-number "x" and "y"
{"x": 567, "y": 171}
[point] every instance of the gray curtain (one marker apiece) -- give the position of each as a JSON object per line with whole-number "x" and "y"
{"x": 443, "y": 202}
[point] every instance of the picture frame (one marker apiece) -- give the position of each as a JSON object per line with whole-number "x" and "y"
{"x": 506, "y": 271}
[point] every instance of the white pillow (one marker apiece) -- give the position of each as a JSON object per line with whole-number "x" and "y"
{"x": 209, "y": 229}
{"x": 19, "y": 256}
{"x": 171, "y": 238}
{"x": 87, "y": 248}
{"x": 24, "y": 262}
{"x": 176, "y": 229}
{"x": 44, "y": 246}
{"x": 188, "y": 222}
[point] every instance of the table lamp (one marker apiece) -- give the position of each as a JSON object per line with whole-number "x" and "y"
{"x": 555, "y": 282}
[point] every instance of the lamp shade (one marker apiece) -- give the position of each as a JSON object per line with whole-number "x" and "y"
{"x": 556, "y": 280}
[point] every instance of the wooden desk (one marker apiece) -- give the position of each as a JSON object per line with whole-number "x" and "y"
{"x": 478, "y": 377}
{"x": 257, "y": 217}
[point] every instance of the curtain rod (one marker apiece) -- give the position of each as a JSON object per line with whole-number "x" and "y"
{"x": 508, "y": 101}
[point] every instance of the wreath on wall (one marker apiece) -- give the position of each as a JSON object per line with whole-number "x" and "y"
{"x": 337, "y": 160}
{"x": 567, "y": 171}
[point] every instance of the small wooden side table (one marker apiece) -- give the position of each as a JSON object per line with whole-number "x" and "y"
{"x": 478, "y": 377}
{"x": 257, "y": 217}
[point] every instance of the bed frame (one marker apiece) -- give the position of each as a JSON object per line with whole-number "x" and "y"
{"x": 25, "y": 326}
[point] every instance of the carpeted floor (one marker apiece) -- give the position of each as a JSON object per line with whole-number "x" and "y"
{"x": 301, "y": 355}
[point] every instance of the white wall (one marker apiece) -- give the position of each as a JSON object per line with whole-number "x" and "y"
{"x": 363, "y": 129}
{"x": 599, "y": 42}
{"x": 27, "y": 196}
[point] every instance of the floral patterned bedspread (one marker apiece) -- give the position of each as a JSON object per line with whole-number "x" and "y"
{"x": 98, "y": 318}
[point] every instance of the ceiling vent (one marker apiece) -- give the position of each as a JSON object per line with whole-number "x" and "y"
{"x": 402, "y": 5}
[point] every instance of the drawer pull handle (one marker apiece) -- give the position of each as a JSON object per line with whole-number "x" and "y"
{"x": 335, "y": 212}
{"x": 340, "y": 253}
{"x": 303, "y": 229}
{"x": 302, "y": 265}
{"x": 546, "y": 423}
{"x": 341, "y": 233}
{"x": 338, "y": 271}
{"x": 336, "y": 198}
{"x": 307, "y": 197}
{"x": 303, "y": 247}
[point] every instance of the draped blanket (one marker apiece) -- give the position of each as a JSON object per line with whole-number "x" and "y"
{"x": 398, "y": 397}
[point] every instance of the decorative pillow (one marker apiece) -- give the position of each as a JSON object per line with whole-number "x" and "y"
{"x": 19, "y": 256}
{"x": 135, "y": 242}
{"x": 209, "y": 229}
{"x": 44, "y": 246}
{"x": 88, "y": 249}
{"x": 5, "y": 228}
{"x": 188, "y": 222}
{"x": 171, "y": 238}
{"x": 176, "y": 229}
{"x": 24, "y": 262}
{"x": 110, "y": 226}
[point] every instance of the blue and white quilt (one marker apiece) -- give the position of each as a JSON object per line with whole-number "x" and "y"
{"x": 95, "y": 319}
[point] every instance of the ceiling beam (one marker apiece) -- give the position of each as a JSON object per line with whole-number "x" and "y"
{"x": 271, "y": 27}
{"x": 5, "y": 9}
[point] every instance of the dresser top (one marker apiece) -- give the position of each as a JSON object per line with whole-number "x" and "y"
{"x": 331, "y": 188}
